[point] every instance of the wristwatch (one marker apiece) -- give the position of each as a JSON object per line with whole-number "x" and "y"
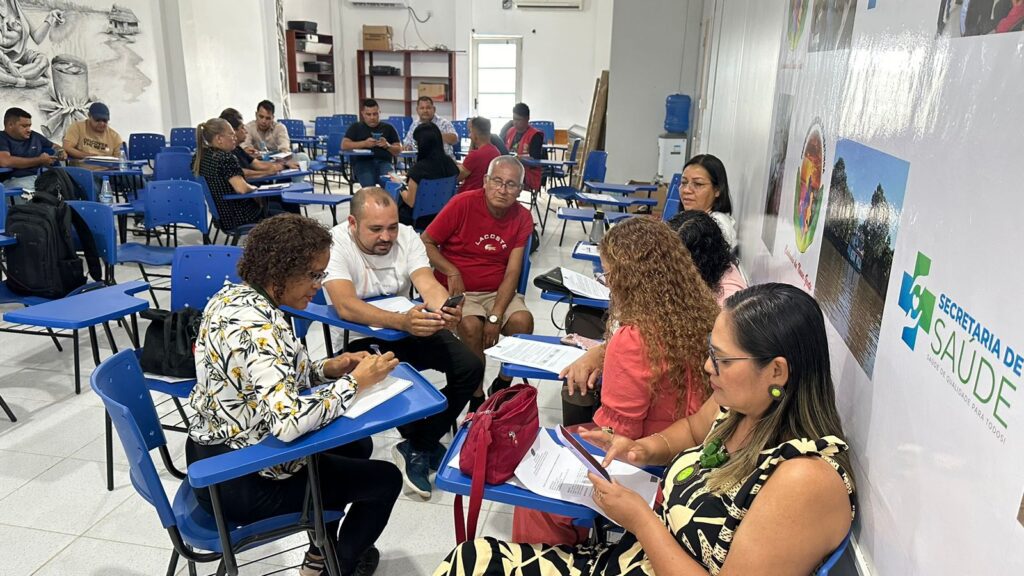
{"x": 493, "y": 319}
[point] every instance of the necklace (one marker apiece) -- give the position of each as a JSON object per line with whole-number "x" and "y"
{"x": 713, "y": 456}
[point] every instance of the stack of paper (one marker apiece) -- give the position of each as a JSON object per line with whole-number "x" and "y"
{"x": 103, "y": 158}
{"x": 399, "y": 304}
{"x": 599, "y": 198}
{"x": 376, "y": 395}
{"x": 279, "y": 186}
{"x": 587, "y": 287}
{"x": 540, "y": 355}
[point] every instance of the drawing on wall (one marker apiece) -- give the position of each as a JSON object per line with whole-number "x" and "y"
{"x": 807, "y": 200}
{"x": 50, "y": 49}
{"x": 865, "y": 201}
{"x": 832, "y": 25}
{"x": 979, "y": 17}
{"x": 777, "y": 167}
{"x": 797, "y": 19}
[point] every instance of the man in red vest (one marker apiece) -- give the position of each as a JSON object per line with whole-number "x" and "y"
{"x": 525, "y": 140}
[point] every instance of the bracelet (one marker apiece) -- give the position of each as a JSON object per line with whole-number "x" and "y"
{"x": 671, "y": 452}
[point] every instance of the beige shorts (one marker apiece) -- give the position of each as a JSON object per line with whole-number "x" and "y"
{"x": 480, "y": 304}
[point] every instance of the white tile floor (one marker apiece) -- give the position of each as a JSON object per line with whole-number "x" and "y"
{"x": 56, "y": 516}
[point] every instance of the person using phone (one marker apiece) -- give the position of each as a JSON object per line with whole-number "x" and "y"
{"x": 761, "y": 487}
{"x": 251, "y": 371}
{"x": 380, "y": 138}
{"x": 373, "y": 255}
{"x": 652, "y": 363}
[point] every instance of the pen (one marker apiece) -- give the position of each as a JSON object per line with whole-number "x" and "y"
{"x": 375, "y": 348}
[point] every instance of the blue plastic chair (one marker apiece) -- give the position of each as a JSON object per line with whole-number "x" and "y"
{"x": 184, "y": 137}
{"x": 547, "y": 127}
{"x": 173, "y": 166}
{"x": 324, "y": 125}
{"x": 233, "y": 234}
{"x": 672, "y": 200}
{"x": 145, "y": 146}
{"x": 100, "y": 220}
{"x": 524, "y": 275}
{"x": 183, "y": 149}
{"x": 593, "y": 171}
{"x": 343, "y": 121}
{"x": 461, "y": 128}
{"x": 431, "y": 197}
{"x": 85, "y": 179}
{"x": 119, "y": 382}
{"x": 296, "y": 128}
{"x": 401, "y": 124}
{"x": 833, "y": 559}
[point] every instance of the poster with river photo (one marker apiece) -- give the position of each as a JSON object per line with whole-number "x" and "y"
{"x": 862, "y": 217}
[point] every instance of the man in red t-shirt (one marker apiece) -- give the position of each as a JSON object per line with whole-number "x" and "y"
{"x": 473, "y": 168}
{"x": 476, "y": 247}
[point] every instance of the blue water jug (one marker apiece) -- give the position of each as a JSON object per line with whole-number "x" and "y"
{"x": 677, "y": 113}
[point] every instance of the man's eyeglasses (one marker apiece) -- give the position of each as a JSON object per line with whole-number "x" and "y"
{"x": 715, "y": 359}
{"x": 510, "y": 185}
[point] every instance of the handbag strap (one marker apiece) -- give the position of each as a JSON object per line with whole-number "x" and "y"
{"x": 476, "y": 490}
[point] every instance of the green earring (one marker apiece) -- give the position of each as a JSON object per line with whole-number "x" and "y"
{"x": 776, "y": 392}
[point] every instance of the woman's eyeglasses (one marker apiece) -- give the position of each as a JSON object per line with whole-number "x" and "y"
{"x": 715, "y": 359}
{"x": 317, "y": 277}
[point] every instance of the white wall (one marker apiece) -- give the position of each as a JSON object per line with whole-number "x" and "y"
{"x": 655, "y": 46}
{"x": 563, "y": 50}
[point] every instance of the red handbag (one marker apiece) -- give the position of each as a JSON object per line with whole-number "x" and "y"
{"x": 499, "y": 435}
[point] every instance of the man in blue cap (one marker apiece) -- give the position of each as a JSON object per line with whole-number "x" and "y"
{"x": 92, "y": 137}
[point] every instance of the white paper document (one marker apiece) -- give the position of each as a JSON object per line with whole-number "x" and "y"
{"x": 168, "y": 379}
{"x": 599, "y": 198}
{"x": 587, "y": 249}
{"x": 278, "y": 186}
{"x": 287, "y": 172}
{"x": 399, "y": 304}
{"x": 103, "y": 158}
{"x": 376, "y": 395}
{"x": 588, "y": 287}
{"x": 549, "y": 469}
{"x": 540, "y": 355}
{"x": 280, "y": 155}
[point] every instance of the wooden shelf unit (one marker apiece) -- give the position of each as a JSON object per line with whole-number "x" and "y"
{"x": 367, "y": 82}
{"x": 296, "y": 73}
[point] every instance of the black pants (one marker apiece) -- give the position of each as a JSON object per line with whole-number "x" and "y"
{"x": 442, "y": 352}
{"x": 347, "y": 476}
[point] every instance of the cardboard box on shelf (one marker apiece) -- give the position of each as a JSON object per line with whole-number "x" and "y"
{"x": 377, "y": 37}
{"x": 434, "y": 90}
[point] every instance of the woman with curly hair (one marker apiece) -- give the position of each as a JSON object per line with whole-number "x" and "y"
{"x": 710, "y": 252}
{"x": 661, "y": 312}
{"x": 250, "y": 370}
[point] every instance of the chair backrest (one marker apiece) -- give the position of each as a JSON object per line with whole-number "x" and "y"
{"x": 401, "y": 124}
{"x": 175, "y": 202}
{"x": 596, "y": 166}
{"x": 461, "y": 128}
{"x": 432, "y": 195}
{"x": 85, "y": 179}
{"x": 198, "y": 272}
{"x": 119, "y": 382}
{"x": 3, "y": 209}
{"x": 208, "y": 196}
{"x": 834, "y": 557}
{"x": 393, "y": 188}
{"x": 672, "y": 200}
{"x": 343, "y": 121}
{"x": 184, "y": 137}
{"x": 547, "y": 127}
{"x": 143, "y": 146}
{"x": 524, "y": 274}
{"x": 334, "y": 143}
{"x": 296, "y": 128}
{"x": 173, "y": 166}
{"x": 182, "y": 149}
{"x": 574, "y": 150}
{"x": 324, "y": 125}
{"x": 100, "y": 220}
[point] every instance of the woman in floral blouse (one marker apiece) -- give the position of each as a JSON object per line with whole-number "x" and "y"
{"x": 250, "y": 369}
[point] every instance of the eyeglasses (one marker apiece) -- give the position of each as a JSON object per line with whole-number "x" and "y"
{"x": 692, "y": 184}
{"x": 317, "y": 277}
{"x": 715, "y": 359}
{"x": 510, "y": 185}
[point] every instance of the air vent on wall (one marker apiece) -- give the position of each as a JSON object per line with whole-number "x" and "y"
{"x": 379, "y": 3}
{"x": 573, "y": 4}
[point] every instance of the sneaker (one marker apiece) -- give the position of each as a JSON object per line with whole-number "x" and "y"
{"x": 497, "y": 385}
{"x": 367, "y": 563}
{"x": 312, "y": 565}
{"x": 415, "y": 467}
{"x": 475, "y": 402}
{"x": 436, "y": 456}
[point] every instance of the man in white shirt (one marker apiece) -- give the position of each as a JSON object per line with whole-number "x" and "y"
{"x": 373, "y": 255}
{"x": 426, "y": 112}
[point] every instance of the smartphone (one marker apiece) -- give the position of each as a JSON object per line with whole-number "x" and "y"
{"x": 452, "y": 302}
{"x": 577, "y": 449}
{"x": 578, "y": 341}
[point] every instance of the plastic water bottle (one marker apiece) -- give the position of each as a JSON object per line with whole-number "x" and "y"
{"x": 264, "y": 153}
{"x": 106, "y": 196}
{"x": 123, "y": 161}
{"x": 597, "y": 228}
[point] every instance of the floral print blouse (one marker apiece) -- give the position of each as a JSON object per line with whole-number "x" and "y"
{"x": 250, "y": 368}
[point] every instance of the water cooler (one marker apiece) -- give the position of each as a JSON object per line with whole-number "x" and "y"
{"x": 672, "y": 145}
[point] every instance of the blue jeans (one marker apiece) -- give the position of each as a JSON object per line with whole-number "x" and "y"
{"x": 369, "y": 170}
{"x": 21, "y": 182}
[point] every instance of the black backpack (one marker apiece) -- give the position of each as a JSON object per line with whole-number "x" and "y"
{"x": 43, "y": 262}
{"x": 57, "y": 182}
{"x": 170, "y": 342}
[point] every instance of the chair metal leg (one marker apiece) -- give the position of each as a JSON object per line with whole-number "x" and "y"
{"x": 181, "y": 410}
{"x": 109, "y": 433}
{"x": 7, "y": 410}
{"x": 172, "y": 566}
{"x": 152, "y": 293}
{"x": 227, "y": 564}
{"x": 55, "y": 341}
{"x": 78, "y": 366}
